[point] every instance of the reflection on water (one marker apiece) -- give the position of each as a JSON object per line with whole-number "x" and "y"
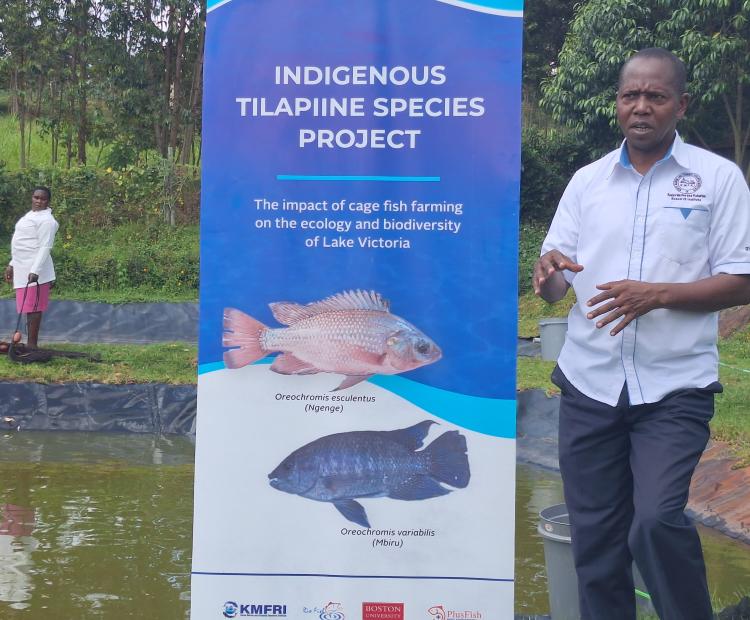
{"x": 111, "y": 520}
{"x": 99, "y": 526}
{"x": 16, "y": 545}
{"x": 727, "y": 561}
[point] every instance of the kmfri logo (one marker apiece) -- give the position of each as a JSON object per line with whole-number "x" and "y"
{"x": 232, "y": 609}
{"x": 687, "y": 182}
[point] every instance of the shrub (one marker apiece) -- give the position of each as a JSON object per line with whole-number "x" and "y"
{"x": 548, "y": 160}
{"x": 86, "y": 197}
{"x": 530, "y": 242}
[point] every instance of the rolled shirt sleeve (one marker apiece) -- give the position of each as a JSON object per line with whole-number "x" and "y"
{"x": 729, "y": 236}
{"x": 563, "y": 231}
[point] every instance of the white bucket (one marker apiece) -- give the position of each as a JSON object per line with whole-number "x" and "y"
{"x": 552, "y": 336}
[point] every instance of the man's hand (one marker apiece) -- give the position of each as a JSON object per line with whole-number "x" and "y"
{"x": 547, "y": 280}
{"x": 628, "y": 299}
{"x": 8, "y": 275}
{"x": 33, "y": 277}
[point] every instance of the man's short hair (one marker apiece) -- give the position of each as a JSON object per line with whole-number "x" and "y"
{"x": 44, "y": 189}
{"x": 679, "y": 72}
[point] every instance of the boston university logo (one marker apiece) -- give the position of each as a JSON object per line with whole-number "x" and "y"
{"x": 382, "y": 611}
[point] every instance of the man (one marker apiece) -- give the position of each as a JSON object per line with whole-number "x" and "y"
{"x": 31, "y": 271}
{"x": 655, "y": 239}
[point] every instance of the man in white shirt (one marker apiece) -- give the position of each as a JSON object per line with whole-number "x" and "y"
{"x": 654, "y": 238}
{"x": 31, "y": 271}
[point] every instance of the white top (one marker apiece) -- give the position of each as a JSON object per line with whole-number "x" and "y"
{"x": 686, "y": 219}
{"x": 30, "y": 247}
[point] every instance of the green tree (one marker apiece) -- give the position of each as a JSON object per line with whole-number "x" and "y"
{"x": 711, "y": 36}
{"x": 121, "y": 72}
{"x": 545, "y": 23}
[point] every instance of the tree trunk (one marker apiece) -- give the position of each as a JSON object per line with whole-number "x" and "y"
{"x": 167, "y": 80}
{"x": 22, "y": 131}
{"x": 82, "y": 127}
{"x": 196, "y": 88}
{"x": 176, "y": 103}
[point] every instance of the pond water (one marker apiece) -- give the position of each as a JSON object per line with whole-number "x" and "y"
{"x": 99, "y": 526}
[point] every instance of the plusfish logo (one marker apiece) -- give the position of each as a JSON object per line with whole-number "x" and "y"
{"x": 438, "y": 612}
{"x": 329, "y": 611}
{"x": 232, "y": 609}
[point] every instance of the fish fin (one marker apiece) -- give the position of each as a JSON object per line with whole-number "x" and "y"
{"x": 243, "y": 331}
{"x": 418, "y": 487}
{"x": 449, "y": 462}
{"x": 350, "y": 381}
{"x": 353, "y": 511}
{"x": 288, "y": 313}
{"x": 287, "y": 364}
{"x": 413, "y": 436}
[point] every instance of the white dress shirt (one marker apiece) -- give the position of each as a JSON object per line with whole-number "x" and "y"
{"x": 686, "y": 219}
{"x": 30, "y": 247}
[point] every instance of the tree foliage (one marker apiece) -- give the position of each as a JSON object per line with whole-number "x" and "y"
{"x": 711, "y": 36}
{"x": 545, "y": 23}
{"x": 122, "y": 72}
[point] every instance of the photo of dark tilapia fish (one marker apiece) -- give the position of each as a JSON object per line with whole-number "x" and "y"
{"x": 343, "y": 467}
{"x": 352, "y": 333}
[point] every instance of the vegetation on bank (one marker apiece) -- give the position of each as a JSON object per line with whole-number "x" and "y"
{"x": 125, "y": 263}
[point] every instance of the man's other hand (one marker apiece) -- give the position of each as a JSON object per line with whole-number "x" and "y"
{"x": 8, "y": 275}
{"x": 628, "y": 299}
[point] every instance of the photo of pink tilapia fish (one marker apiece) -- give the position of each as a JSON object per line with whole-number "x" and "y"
{"x": 352, "y": 333}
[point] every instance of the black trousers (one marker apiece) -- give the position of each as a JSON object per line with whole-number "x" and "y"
{"x": 626, "y": 475}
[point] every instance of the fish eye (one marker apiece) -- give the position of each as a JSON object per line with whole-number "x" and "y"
{"x": 422, "y": 346}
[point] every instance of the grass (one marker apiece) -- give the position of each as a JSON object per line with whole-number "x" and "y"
{"x": 532, "y": 308}
{"x": 730, "y": 421}
{"x": 41, "y": 149}
{"x": 174, "y": 363}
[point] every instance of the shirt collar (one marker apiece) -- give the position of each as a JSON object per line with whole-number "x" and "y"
{"x": 676, "y": 151}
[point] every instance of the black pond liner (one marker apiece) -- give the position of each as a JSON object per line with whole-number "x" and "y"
{"x": 135, "y": 408}
{"x": 171, "y": 409}
{"x": 131, "y": 323}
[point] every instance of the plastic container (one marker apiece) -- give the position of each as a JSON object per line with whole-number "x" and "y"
{"x": 552, "y": 336}
{"x": 562, "y": 583}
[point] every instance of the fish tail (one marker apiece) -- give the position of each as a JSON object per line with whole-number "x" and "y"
{"x": 449, "y": 462}
{"x": 243, "y": 331}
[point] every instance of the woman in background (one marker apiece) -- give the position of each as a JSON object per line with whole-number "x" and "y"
{"x": 31, "y": 263}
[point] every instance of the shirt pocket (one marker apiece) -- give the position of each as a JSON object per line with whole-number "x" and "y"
{"x": 682, "y": 233}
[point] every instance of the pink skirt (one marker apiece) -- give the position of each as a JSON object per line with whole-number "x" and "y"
{"x": 31, "y": 304}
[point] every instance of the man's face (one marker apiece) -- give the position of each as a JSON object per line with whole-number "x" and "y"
{"x": 649, "y": 106}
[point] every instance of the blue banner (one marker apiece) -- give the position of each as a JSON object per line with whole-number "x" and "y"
{"x": 358, "y": 305}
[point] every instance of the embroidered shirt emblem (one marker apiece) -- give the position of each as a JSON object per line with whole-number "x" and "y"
{"x": 687, "y": 182}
